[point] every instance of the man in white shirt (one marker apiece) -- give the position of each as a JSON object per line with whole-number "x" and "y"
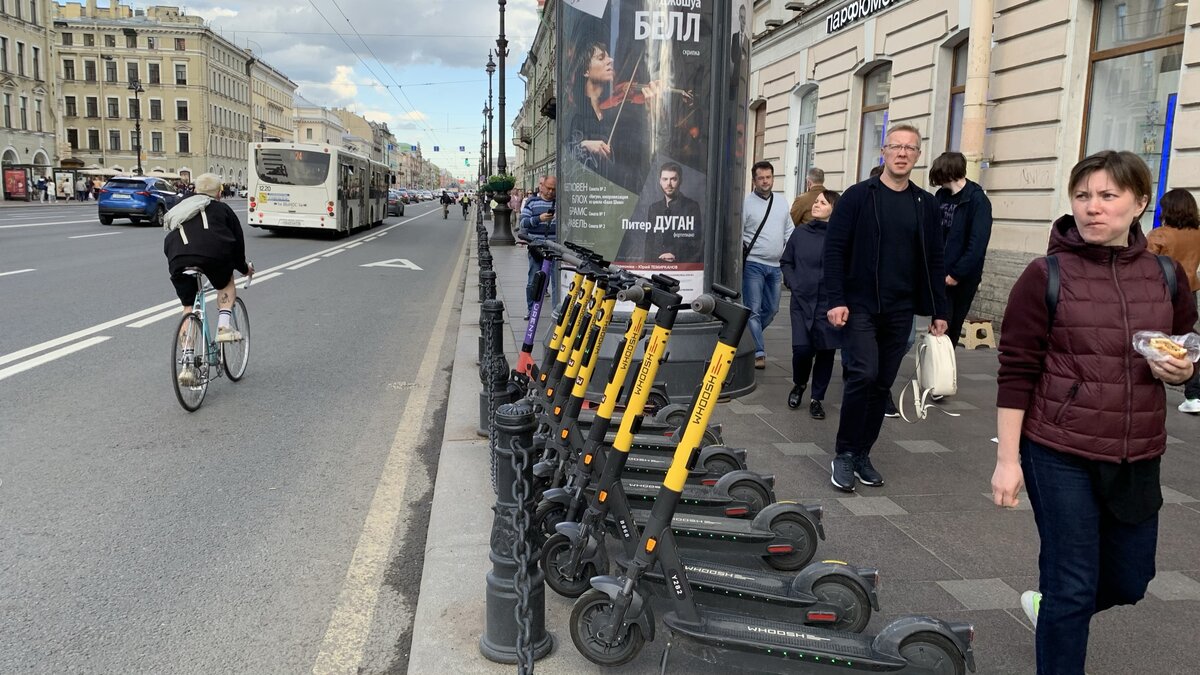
{"x": 766, "y": 228}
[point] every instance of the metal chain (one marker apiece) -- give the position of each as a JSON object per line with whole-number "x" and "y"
{"x": 489, "y": 367}
{"x": 522, "y": 493}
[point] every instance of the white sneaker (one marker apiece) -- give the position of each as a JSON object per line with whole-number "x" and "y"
{"x": 187, "y": 377}
{"x": 1031, "y": 602}
{"x": 1190, "y": 405}
{"x": 228, "y": 334}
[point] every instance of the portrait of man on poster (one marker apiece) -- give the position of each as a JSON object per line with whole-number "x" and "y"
{"x": 674, "y": 225}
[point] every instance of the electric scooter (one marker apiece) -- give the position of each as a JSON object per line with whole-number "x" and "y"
{"x": 610, "y": 623}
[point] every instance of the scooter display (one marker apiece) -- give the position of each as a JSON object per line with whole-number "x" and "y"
{"x": 610, "y": 623}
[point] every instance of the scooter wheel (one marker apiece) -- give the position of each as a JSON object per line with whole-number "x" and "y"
{"x": 719, "y": 466}
{"x": 928, "y": 653}
{"x": 547, "y": 515}
{"x": 800, "y": 530}
{"x": 557, "y": 552}
{"x": 850, "y": 597}
{"x": 675, "y": 415}
{"x": 592, "y": 615}
{"x": 755, "y": 496}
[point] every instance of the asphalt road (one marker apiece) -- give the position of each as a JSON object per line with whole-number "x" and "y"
{"x": 277, "y": 529}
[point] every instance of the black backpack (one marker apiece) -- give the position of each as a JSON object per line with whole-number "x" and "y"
{"x": 1054, "y": 283}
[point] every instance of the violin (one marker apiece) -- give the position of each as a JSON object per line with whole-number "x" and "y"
{"x": 634, "y": 93}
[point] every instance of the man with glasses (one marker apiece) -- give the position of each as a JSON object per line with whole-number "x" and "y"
{"x": 883, "y": 264}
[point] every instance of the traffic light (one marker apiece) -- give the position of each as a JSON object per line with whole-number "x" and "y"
{"x": 467, "y": 162}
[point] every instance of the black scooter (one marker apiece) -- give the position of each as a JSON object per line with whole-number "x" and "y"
{"x": 610, "y": 623}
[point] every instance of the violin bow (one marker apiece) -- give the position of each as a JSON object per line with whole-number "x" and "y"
{"x": 632, "y": 79}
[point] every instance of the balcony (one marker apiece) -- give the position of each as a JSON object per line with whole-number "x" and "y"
{"x": 525, "y": 134}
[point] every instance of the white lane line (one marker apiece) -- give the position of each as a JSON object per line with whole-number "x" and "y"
{"x": 259, "y": 278}
{"x": 345, "y": 638}
{"x": 5, "y": 274}
{"x": 50, "y": 344}
{"x": 46, "y": 358}
{"x": 357, "y": 243}
{"x": 178, "y": 310}
{"x": 306, "y": 263}
{"x": 85, "y": 236}
{"x": 334, "y": 252}
{"x": 60, "y": 222}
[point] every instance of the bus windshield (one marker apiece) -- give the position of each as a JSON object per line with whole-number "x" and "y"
{"x": 292, "y": 167}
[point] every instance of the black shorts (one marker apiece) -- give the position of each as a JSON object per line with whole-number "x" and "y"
{"x": 218, "y": 273}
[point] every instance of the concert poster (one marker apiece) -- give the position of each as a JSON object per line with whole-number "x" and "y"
{"x": 634, "y": 124}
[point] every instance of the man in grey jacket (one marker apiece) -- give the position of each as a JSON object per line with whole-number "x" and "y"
{"x": 761, "y": 276}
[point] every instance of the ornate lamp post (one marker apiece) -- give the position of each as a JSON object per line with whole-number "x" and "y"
{"x": 502, "y": 233}
{"x": 487, "y": 110}
{"x": 262, "y": 131}
{"x": 136, "y": 87}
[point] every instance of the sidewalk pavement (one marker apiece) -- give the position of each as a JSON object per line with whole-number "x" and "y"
{"x": 941, "y": 546}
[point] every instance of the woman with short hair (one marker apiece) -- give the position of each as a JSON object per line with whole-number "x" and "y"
{"x": 1179, "y": 238}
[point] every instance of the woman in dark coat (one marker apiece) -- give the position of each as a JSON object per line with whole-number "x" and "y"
{"x": 814, "y": 339}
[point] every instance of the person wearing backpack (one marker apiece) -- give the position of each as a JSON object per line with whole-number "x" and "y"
{"x": 966, "y": 227}
{"x": 1179, "y": 238}
{"x": 1080, "y": 414}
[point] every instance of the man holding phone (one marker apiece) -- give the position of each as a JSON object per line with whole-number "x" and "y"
{"x": 538, "y": 223}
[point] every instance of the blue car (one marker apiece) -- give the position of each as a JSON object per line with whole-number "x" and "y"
{"x": 138, "y": 198}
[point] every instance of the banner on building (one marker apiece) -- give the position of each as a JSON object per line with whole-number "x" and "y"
{"x": 634, "y": 128}
{"x": 15, "y": 186}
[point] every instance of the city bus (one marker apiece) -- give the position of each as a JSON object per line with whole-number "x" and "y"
{"x": 299, "y": 185}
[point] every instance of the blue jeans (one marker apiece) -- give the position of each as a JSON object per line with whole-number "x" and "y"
{"x": 873, "y": 346}
{"x": 530, "y": 291}
{"x": 760, "y": 290}
{"x": 1089, "y": 561}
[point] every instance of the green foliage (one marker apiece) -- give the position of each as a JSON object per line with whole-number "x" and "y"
{"x": 501, "y": 182}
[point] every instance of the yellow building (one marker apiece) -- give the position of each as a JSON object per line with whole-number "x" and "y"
{"x": 273, "y": 102}
{"x": 26, "y": 94}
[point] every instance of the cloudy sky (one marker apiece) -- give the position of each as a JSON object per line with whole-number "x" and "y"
{"x": 417, "y": 65}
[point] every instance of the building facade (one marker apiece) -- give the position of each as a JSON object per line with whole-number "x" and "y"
{"x": 533, "y": 131}
{"x": 272, "y": 102}
{"x": 194, "y": 103}
{"x": 317, "y": 124}
{"x": 27, "y": 117}
{"x": 1066, "y": 78}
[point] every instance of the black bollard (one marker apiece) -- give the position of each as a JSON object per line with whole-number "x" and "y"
{"x": 493, "y": 366}
{"x": 499, "y": 642}
{"x": 487, "y": 285}
{"x": 485, "y": 259}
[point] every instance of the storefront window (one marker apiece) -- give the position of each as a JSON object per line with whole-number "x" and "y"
{"x": 1135, "y": 69}
{"x": 958, "y": 98}
{"x": 877, "y": 86}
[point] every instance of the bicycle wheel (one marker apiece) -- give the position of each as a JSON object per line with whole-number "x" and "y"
{"x": 234, "y": 355}
{"x": 189, "y": 367}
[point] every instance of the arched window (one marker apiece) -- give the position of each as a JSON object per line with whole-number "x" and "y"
{"x": 877, "y": 85}
{"x": 958, "y": 98}
{"x": 806, "y": 138}
{"x": 1136, "y": 59}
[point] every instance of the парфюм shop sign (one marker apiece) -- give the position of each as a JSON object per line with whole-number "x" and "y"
{"x": 859, "y": 9}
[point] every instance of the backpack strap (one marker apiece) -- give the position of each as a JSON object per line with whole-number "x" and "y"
{"x": 1053, "y": 282}
{"x": 1168, "y": 270}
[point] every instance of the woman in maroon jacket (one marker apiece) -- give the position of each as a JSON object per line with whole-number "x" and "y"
{"x": 1081, "y": 414}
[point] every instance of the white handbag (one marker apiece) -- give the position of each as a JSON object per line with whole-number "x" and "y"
{"x": 936, "y": 374}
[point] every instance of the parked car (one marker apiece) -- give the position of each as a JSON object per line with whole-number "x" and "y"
{"x": 405, "y": 195}
{"x": 427, "y": 195}
{"x": 242, "y": 192}
{"x": 138, "y": 198}
{"x": 395, "y": 205}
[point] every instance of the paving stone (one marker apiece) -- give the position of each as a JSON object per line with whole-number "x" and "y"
{"x": 954, "y": 405}
{"x": 1171, "y": 496}
{"x": 800, "y": 449}
{"x": 738, "y": 408}
{"x": 872, "y": 506}
{"x": 922, "y": 446}
{"x": 876, "y": 541}
{"x": 983, "y": 593}
{"x": 1008, "y": 548}
{"x": 1171, "y": 440}
{"x": 1174, "y": 586}
{"x": 978, "y": 377}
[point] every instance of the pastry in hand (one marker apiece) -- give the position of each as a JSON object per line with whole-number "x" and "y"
{"x": 1169, "y": 347}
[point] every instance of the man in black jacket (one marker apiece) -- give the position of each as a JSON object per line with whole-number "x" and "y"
{"x": 966, "y": 217}
{"x": 883, "y": 264}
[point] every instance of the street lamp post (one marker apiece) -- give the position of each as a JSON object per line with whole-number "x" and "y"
{"x": 136, "y": 87}
{"x": 502, "y": 233}
{"x": 487, "y": 111}
{"x": 262, "y": 131}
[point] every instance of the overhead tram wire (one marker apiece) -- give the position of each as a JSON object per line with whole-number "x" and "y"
{"x": 411, "y": 111}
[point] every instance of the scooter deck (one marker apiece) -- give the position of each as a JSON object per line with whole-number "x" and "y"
{"x": 708, "y": 528}
{"x": 769, "y": 586}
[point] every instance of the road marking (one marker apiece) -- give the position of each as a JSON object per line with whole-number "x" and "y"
{"x": 85, "y": 236}
{"x": 178, "y": 310}
{"x": 395, "y": 262}
{"x": 357, "y": 243}
{"x": 46, "y": 358}
{"x": 306, "y": 263}
{"x": 334, "y": 252}
{"x": 5, "y": 274}
{"x": 61, "y": 222}
{"x": 345, "y": 638}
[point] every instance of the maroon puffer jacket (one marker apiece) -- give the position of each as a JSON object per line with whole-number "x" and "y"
{"x": 1084, "y": 388}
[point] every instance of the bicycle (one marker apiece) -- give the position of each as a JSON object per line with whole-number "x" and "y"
{"x": 193, "y": 330}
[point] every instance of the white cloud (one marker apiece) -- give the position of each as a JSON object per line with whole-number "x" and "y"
{"x": 341, "y": 91}
{"x": 216, "y": 13}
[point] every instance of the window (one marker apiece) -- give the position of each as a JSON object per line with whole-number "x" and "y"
{"x": 33, "y": 13}
{"x": 89, "y": 71}
{"x": 184, "y": 142}
{"x": 114, "y": 108}
{"x": 135, "y": 143}
{"x": 131, "y": 40}
{"x": 71, "y": 110}
{"x": 151, "y": 43}
{"x": 20, "y": 58}
{"x": 37, "y": 115}
{"x": 1134, "y": 75}
{"x": 156, "y": 141}
{"x": 73, "y": 138}
{"x": 37, "y": 63}
{"x": 93, "y": 139}
{"x": 89, "y": 39}
{"x": 110, "y": 40}
{"x": 806, "y": 137}
{"x": 152, "y": 73}
{"x": 180, "y": 44}
{"x": 110, "y": 71}
{"x": 68, "y": 69}
{"x": 760, "y": 131}
{"x": 8, "y": 111}
{"x": 3, "y": 53}
{"x": 135, "y": 110}
{"x": 156, "y": 109}
{"x": 958, "y": 98}
{"x": 877, "y": 85}
{"x": 68, "y": 39}
{"x": 132, "y": 74}
{"x": 92, "y": 106}
{"x": 308, "y": 134}
{"x": 24, "y": 109}
{"x": 114, "y": 139}
{"x": 181, "y": 73}
{"x": 181, "y": 110}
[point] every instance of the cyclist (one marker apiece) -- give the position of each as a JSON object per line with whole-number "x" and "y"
{"x": 447, "y": 200}
{"x": 204, "y": 232}
{"x": 466, "y": 202}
